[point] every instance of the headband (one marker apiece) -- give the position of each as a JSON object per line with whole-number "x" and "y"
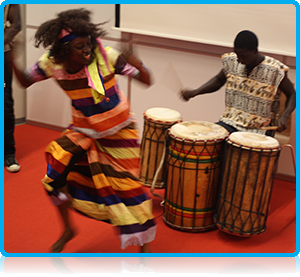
{"x": 66, "y": 36}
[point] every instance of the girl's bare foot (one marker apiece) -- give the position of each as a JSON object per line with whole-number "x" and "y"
{"x": 58, "y": 246}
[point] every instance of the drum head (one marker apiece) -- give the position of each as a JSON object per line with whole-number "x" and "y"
{"x": 163, "y": 114}
{"x": 248, "y": 139}
{"x": 198, "y": 131}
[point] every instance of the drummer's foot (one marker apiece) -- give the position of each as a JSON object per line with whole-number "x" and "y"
{"x": 58, "y": 246}
{"x": 145, "y": 248}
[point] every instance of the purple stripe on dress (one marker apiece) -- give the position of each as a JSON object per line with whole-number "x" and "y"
{"x": 83, "y": 102}
{"x": 136, "y": 228}
{"x": 110, "y": 92}
{"x": 116, "y": 143}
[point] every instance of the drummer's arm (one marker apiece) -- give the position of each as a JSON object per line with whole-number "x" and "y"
{"x": 288, "y": 89}
{"x": 212, "y": 85}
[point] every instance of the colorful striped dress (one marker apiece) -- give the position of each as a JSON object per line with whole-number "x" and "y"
{"x": 103, "y": 181}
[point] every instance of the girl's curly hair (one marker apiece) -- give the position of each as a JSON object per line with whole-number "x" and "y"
{"x": 78, "y": 20}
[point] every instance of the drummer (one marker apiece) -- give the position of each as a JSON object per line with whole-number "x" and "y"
{"x": 247, "y": 73}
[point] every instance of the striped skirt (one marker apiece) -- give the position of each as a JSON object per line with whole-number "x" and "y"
{"x": 103, "y": 183}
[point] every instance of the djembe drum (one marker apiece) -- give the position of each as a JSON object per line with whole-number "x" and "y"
{"x": 247, "y": 178}
{"x": 194, "y": 167}
{"x": 156, "y": 122}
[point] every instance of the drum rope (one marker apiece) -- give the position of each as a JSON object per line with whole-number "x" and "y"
{"x": 152, "y": 137}
{"x": 158, "y": 171}
{"x": 237, "y": 218}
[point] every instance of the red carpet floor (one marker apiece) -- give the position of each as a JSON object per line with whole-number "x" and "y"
{"x": 31, "y": 224}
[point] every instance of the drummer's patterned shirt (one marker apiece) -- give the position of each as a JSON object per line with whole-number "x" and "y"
{"x": 249, "y": 99}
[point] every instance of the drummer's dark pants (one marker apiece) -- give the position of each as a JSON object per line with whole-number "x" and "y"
{"x": 9, "y": 117}
{"x": 229, "y": 128}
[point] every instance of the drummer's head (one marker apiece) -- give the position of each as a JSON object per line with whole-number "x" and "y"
{"x": 246, "y": 47}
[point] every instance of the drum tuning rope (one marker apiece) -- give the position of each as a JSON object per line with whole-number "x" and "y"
{"x": 158, "y": 171}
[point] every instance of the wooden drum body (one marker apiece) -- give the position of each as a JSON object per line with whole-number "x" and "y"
{"x": 194, "y": 165}
{"x": 156, "y": 122}
{"x": 247, "y": 179}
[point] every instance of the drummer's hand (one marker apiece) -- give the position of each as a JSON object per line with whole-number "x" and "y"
{"x": 186, "y": 95}
{"x": 282, "y": 123}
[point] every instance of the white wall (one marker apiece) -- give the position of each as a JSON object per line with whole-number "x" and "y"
{"x": 191, "y": 64}
{"x": 46, "y": 102}
{"x": 216, "y": 23}
{"x": 36, "y": 14}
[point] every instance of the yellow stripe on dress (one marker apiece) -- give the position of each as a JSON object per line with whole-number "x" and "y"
{"x": 59, "y": 153}
{"x": 125, "y": 134}
{"x": 129, "y": 165}
{"x": 79, "y": 93}
{"x": 102, "y": 181}
{"x": 124, "y": 184}
{"x": 118, "y": 214}
{"x": 142, "y": 212}
{"x": 121, "y": 153}
{"x": 94, "y": 210}
{"x": 122, "y": 215}
{"x": 45, "y": 181}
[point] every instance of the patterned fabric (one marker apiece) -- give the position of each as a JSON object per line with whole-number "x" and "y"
{"x": 97, "y": 120}
{"x": 249, "y": 99}
{"x": 103, "y": 184}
